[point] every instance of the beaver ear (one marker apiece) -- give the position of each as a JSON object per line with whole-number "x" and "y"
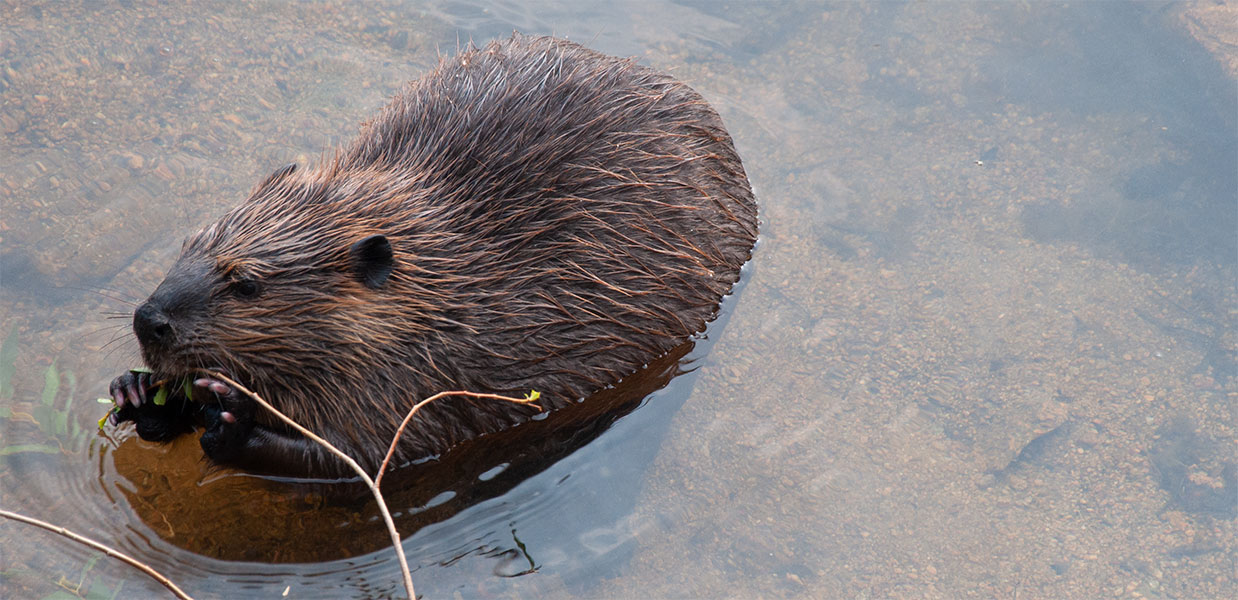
{"x": 372, "y": 260}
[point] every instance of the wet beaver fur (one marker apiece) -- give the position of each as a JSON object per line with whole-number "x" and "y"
{"x": 532, "y": 215}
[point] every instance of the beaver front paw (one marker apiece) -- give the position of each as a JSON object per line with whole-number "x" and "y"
{"x": 133, "y": 394}
{"x": 229, "y": 421}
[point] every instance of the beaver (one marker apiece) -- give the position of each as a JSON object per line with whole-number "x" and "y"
{"x": 531, "y": 215}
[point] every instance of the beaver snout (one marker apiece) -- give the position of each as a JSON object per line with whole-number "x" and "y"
{"x": 173, "y": 308}
{"x": 152, "y": 326}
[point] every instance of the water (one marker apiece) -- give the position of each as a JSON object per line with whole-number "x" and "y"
{"x": 987, "y": 345}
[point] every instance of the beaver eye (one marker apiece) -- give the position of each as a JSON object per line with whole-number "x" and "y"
{"x": 246, "y": 288}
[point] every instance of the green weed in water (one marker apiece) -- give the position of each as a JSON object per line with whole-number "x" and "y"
{"x": 53, "y": 419}
{"x": 8, "y": 367}
{"x": 77, "y": 590}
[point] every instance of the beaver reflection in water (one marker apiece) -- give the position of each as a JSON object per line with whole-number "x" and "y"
{"x": 530, "y": 215}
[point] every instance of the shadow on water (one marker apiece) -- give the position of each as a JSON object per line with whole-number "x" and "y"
{"x": 1179, "y": 210}
{"x": 1199, "y": 473}
{"x": 233, "y": 516}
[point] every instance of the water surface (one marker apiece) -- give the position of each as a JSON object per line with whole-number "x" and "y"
{"x": 986, "y": 346}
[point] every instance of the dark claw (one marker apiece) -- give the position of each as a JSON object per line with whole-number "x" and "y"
{"x": 136, "y": 397}
{"x": 229, "y": 421}
{"x": 118, "y": 397}
{"x": 130, "y": 389}
{"x": 213, "y": 385}
{"x": 152, "y": 422}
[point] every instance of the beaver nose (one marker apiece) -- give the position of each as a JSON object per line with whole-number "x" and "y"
{"x": 151, "y": 325}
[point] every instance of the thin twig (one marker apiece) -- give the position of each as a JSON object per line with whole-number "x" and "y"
{"x": 378, "y": 497}
{"x": 395, "y": 440}
{"x": 108, "y": 550}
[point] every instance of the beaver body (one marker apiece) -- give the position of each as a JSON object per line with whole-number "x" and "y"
{"x": 532, "y": 215}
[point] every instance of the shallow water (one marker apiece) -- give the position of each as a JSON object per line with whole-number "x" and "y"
{"x": 986, "y": 346}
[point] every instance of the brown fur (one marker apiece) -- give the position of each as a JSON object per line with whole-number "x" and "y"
{"x": 558, "y": 218}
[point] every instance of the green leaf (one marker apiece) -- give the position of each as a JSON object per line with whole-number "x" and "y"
{"x": 142, "y": 370}
{"x": 90, "y": 564}
{"x": 8, "y": 356}
{"x": 68, "y": 399}
{"x": 51, "y": 384}
{"x": 188, "y": 390}
{"x": 43, "y": 416}
{"x": 161, "y": 396}
{"x": 60, "y": 423}
{"x": 105, "y": 401}
{"x": 19, "y": 448}
{"x": 60, "y": 595}
{"x": 98, "y": 591}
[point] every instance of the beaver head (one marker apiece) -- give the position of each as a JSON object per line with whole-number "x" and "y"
{"x": 312, "y": 293}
